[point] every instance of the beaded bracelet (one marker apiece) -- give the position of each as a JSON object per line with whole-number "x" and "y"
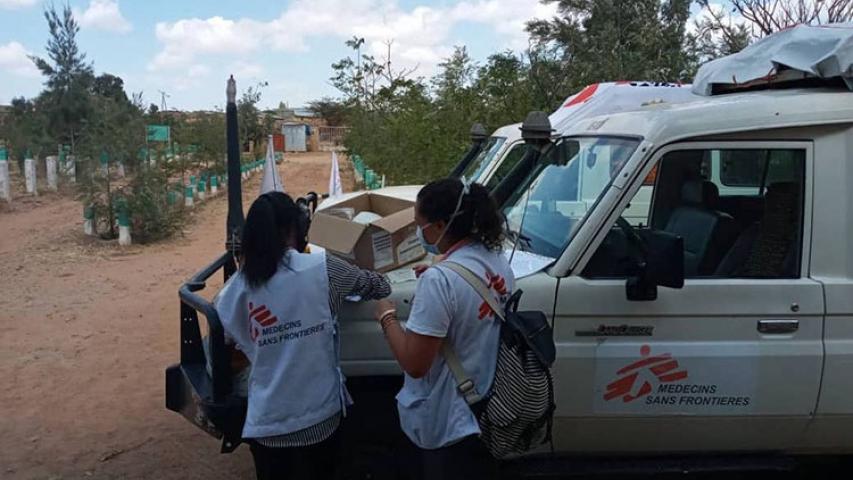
{"x": 386, "y": 320}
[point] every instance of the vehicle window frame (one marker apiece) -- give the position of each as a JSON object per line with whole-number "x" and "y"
{"x": 507, "y": 148}
{"x": 625, "y": 196}
{"x": 501, "y": 142}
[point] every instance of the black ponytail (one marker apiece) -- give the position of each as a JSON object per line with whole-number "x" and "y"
{"x": 478, "y": 217}
{"x": 271, "y": 220}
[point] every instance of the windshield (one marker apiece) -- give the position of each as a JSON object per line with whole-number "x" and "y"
{"x": 564, "y": 186}
{"x": 484, "y": 158}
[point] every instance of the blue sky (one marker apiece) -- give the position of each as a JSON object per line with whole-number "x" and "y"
{"x": 189, "y": 47}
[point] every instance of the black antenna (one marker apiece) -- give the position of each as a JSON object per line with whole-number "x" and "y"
{"x": 234, "y": 224}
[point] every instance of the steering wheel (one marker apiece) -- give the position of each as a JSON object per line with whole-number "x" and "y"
{"x": 633, "y": 238}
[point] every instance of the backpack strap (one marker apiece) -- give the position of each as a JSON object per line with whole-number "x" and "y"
{"x": 464, "y": 383}
{"x": 478, "y": 286}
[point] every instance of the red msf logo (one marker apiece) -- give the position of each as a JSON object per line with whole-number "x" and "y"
{"x": 655, "y": 369}
{"x": 498, "y": 284}
{"x": 259, "y": 316}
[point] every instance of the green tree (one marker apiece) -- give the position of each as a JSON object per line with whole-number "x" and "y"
{"x": 331, "y": 110}
{"x": 507, "y": 90}
{"x": 110, "y": 86}
{"x": 207, "y": 134}
{"x": 250, "y": 123}
{"x": 607, "y": 40}
{"x": 113, "y": 134}
{"x": 456, "y": 105}
{"x": 719, "y": 34}
{"x": 24, "y": 131}
{"x": 69, "y": 78}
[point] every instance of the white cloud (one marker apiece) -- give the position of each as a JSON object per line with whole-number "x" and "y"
{"x": 421, "y": 35}
{"x": 103, "y": 15}
{"x": 187, "y": 39}
{"x": 14, "y": 58}
{"x": 15, "y": 4}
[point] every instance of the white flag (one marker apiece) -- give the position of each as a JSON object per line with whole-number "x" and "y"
{"x": 272, "y": 182}
{"x": 335, "y": 186}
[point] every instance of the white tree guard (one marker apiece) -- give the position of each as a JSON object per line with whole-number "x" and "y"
{"x": 5, "y": 182}
{"x": 50, "y": 164}
{"x": 70, "y": 168}
{"x": 124, "y": 236}
{"x": 30, "y": 176}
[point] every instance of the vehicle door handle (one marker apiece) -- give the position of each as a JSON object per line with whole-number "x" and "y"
{"x": 778, "y": 327}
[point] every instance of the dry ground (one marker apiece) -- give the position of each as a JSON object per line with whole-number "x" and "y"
{"x": 87, "y": 331}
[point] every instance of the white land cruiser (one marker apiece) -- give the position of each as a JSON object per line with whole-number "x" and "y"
{"x": 719, "y": 319}
{"x": 749, "y": 210}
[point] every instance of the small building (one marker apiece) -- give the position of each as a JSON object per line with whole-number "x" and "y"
{"x": 295, "y": 136}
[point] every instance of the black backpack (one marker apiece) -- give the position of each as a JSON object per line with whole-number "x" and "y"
{"x": 516, "y": 415}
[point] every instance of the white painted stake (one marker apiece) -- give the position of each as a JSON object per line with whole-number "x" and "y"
{"x": 124, "y": 235}
{"x": 71, "y": 168}
{"x": 89, "y": 221}
{"x": 5, "y": 182}
{"x": 30, "y": 176}
{"x": 50, "y": 163}
{"x": 120, "y": 170}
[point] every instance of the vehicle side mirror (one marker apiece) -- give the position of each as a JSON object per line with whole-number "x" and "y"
{"x": 663, "y": 266}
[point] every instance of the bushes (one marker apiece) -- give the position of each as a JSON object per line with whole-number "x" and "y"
{"x": 155, "y": 214}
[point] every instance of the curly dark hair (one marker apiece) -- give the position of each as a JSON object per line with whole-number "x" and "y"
{"x": 478, "y": 218}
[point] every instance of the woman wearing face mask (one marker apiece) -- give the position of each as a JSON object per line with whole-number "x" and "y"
{"x": 280, "y": 310}
{"x": 463, "y": 225}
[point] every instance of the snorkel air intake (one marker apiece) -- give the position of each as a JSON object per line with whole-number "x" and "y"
{"x": 235, "y": 220}
{"x": 478, "y": 138}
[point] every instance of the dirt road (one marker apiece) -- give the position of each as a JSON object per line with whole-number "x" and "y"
{"x": 87, "y": 331}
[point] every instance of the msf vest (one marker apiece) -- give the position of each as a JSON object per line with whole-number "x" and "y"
{"x": 287, "y": 332}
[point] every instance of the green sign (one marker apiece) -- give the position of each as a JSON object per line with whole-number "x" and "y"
{"x": 158, "y": 133}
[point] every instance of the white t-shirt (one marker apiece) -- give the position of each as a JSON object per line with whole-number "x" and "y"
{"x": 432, "y": 412}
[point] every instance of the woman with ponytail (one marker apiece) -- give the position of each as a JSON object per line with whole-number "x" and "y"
{"x": 459, "y": 223}
{"x": 280, "y": 310}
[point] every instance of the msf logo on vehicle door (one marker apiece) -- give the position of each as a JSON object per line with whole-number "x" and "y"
{"x": 642, "y": 377}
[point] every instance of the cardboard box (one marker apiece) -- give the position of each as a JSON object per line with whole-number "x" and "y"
{"x": 382, "y": 245}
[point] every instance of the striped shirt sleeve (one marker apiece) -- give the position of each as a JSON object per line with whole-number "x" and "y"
{"x": 347, "y": 280}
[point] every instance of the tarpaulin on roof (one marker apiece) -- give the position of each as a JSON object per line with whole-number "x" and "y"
{"x": 614, "y": 97}
{"x": 824, "y": 51}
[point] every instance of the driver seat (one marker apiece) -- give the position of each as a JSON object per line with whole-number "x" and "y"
{"x": 706, "y": 231}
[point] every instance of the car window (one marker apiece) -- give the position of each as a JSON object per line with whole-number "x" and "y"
{"x": 738, "y": 211}
{"x": 565, "y": 185}
{"x": 491, "y": 147}
{"x": 507, "y": 163}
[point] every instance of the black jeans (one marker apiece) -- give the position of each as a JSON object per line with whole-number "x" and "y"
{"x": 466, "y": 460}
{"x": 316, "y": 461}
